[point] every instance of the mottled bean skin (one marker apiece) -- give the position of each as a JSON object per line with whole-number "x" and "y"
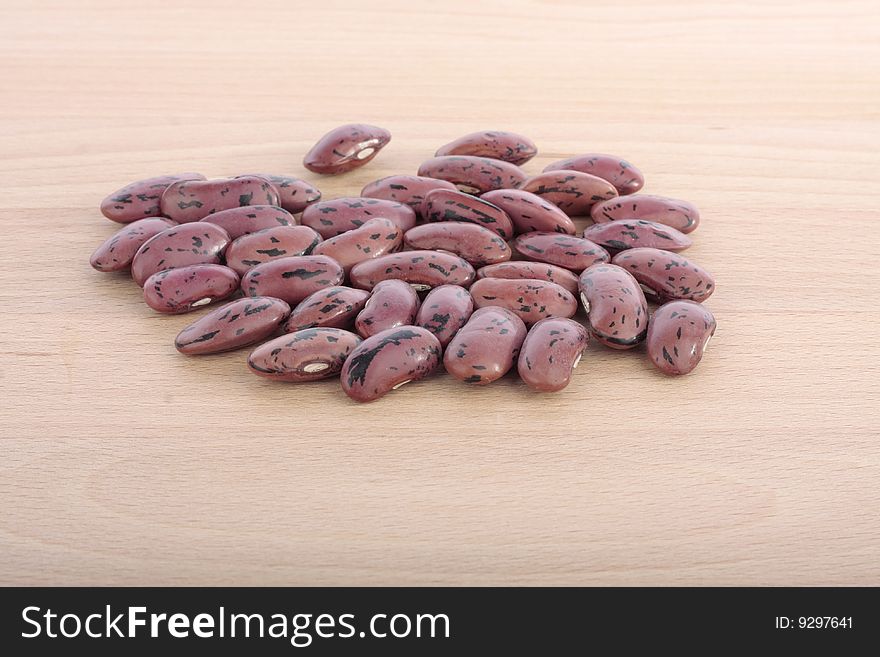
{"x": 250, "y": 219}
{"x": 529, "y": 212}
{"x": 334, "y": 307}
{"x": 180, "y": 290}
{"x": 306, "y": 355}
{"x": 446, "y": 205}
{"x": 540, "y": 270}
{"x": 233, "y": 325}
{"x": 478, "y": 245}
{"x": 531, "y": 299}
{"x": 615, "y": 306}
{"x": 292, "y": 278}
{"x": 254, "y": 249}
{"x": 294, "y": 194}
{"x": 388, "y": 360}
{"x": 486, "y": 347}
{"x": 421, "y": 269}
{"x": 572, "y": 192}
{"x": 373, "y": 239}
{"x": 667, "y": 276}
{"x": 678, "y": 214}
{"x": 507, "y": 146}
{"x": 409, "y": 190}
{"x": 678, "y": 335}
{"x": 190, "y": 200}
{"x": 622, "y": 235}
{"x": 444, "y": 311}
{"x": 117, "y": 252}
{"x": 626, "y": 178}
{"x": 550, "y": 353}
{"x": 573, "y": 253}
{"x": 346, "y": 148}
{"x": 179, "y": 246}
{"x": 473, "y": 174}
{"x": 140, "y": 199}
{"x": 391, "y": 303}
{"x": 340, "y": 215}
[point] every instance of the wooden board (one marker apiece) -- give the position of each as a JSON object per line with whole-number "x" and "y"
{"x": 126, "y": 463}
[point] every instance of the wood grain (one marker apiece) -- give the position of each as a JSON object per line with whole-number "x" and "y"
{"x": 125, "y": 463}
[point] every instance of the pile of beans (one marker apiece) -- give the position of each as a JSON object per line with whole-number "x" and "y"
{"x": 472, "y": 262}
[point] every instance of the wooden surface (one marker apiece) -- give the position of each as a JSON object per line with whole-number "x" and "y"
{"x": 124, "y": 462}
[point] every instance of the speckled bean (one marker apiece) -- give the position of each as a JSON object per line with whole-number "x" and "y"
{"x": 486, "y": 347}
{"x": 678, "y": 335}
{"x": 681, "y": 215}
{"x": 391, "y": 303}
{"x": 550, "y": 353}
{"x": 574, "y": 253}
{"x": 446, "y": 205}
{"x": 626, "y": 178}
{"x": 529, "y": 212}
{"x": 180, "y": 290}
{"x": 388, "y": 360}
{"x": 334, "y": 307}
{"x": 540, "y": 270}
{"x": 117, "y": 252}
{"x": 345, "y": 148}
{"x": 531, "y": 299}
{"x": 615, "y": 305}
{"x": 421, "y": 269}
{"x": 294, "y": 194}
{"x": 190, "y": 200}
{"x": 233, "y": 325}
{"x": 292, "y": 278}
{"x": 339, "y": 215}
{"x": 478, "y": 245}
{"x": 572, "y": 192}
{"x": 444, "y": 311}
{"x": 473, "y": 174}
{"x": 665, "y": 275}
{"x": 624, "y": 234}
{"x": 140, "y": 199}
{"x": 409, "y": 190}
{"x": 306, "y": 355}
{"x": 179, "y": 246}
{"x": 254, "y": 249}
{"x": 250, "y": 219}
{"x": 373, "y": 239}
{"x": 507, "y": 146}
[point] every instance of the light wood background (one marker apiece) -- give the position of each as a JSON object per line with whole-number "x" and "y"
{"x": 125, "y": 463}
